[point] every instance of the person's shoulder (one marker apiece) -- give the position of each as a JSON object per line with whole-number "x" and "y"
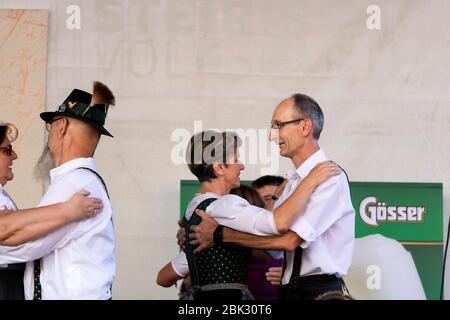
{"x": 340, "y": 181}
{"x": 232, "y": 199}
{"x": 82, "y": 178}
{"x": 199, "y": 198}
{"x": 337, "y": 185}
{"x": 342, "y": 178}
{"x": 195, "y": 202}
{"x": 227, "y": 202}
{"x": 333, "y": 183}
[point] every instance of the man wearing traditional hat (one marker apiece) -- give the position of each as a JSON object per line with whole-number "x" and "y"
{"x": 20, "y": 226}
{"x": 76, "y": 261}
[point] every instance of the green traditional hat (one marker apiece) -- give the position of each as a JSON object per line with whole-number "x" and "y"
{"x": 89, "y": 108}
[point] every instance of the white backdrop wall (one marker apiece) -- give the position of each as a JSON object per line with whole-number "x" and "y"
{"x": 384, "y": 94}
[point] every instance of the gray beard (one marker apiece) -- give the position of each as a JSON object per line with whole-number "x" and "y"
{"x": 44, "y": 165}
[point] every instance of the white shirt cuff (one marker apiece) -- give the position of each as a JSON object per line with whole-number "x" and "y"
{"x": 276, "y": 254}
{"x": 180, "y": 264}
{"x": 273, "y": 225}
{"x": 305, "y": 231}
{"x": 176, "y": 271}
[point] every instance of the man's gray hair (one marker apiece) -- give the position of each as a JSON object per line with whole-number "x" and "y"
{"x": 307, "y": 107}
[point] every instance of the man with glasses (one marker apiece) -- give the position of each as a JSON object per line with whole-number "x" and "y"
{"x": 76, "y": 261}
{"x": 325, "y": 229}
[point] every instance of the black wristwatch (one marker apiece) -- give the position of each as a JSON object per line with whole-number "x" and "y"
{"x": 274, "y": 197}
{"x": 218, "y": 234}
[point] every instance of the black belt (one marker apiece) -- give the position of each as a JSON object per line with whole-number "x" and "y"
{"x": 307, "y": 287}
{"x": 318, "y": 279}
{"x": 310, "y": 287}
{"x": 13, "y": 266}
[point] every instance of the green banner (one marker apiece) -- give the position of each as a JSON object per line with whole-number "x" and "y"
{"x": 407, "y": 212}
{"x": 411, "y": 213}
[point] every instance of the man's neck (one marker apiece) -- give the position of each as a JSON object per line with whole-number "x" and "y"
{"x": 307, "y": 150}
{"x": 71, "y": 156}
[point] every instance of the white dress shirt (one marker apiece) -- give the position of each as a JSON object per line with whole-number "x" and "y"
{"x": 327, "y": 224}
{"x": 231, "y": 211}
{"x": 78, "y": 259}
{"x": 6, "y": 203}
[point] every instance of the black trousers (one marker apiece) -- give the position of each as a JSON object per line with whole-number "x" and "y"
{"x": 310, "y": 287}
{"x": 11, "y": 285}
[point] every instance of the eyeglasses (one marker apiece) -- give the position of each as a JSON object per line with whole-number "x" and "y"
{"x": 7, "y": 150}
{"x": 277, "y": 125}
{"x": 48, "y": 125}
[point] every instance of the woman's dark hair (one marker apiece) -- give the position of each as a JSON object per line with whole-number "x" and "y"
{"x": 248, "y": 194}
{"x": 7, "y": 130}
{"x": 267, "y": 180}
{"x": 3, "y": 130}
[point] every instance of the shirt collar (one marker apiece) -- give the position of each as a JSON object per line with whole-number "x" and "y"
{"x": 72, "y": 165}
{"x": 307, "y": 166}
{"x": 1, "y": 188}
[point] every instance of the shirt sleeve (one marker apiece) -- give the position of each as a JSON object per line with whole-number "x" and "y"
{"x": 235, "y": 212}
{"x": 96, "y": 224}
{"x": 276, "y": 254}
{"x": 323, "y": 209}
{"x": 60, "y": 192}
{"x": 38, "y": 248}
{"x": 180, "y": 264}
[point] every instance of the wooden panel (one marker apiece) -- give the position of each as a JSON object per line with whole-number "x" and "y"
{"x": 23, "y": 65}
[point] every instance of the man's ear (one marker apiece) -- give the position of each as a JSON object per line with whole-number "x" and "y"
{"x": 307, "y": 127}
{"x": 218, "y": 168}
{"x": 64, "y": 124}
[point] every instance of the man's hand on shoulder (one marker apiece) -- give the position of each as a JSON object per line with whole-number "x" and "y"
{"x": 203, "y": 233}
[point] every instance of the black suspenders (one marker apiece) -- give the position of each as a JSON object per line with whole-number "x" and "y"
{"x": 99, "y": 177}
